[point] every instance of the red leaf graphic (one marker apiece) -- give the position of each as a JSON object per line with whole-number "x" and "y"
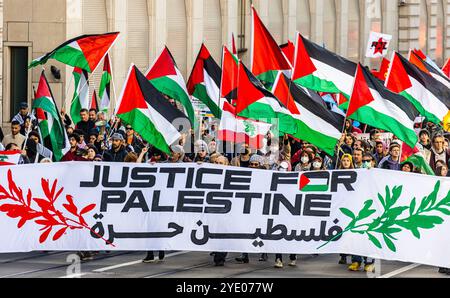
{"x": 44, "y": 235}
{"x": 87, "y": 209}
{"x": 59, "y": 234}
{"x": 72, "y": 209}
{"x": 45, "y": 205}
{"x": 22, "y": 221}
{"x": 29, "y": 196}
{"x": 45, "y": 189}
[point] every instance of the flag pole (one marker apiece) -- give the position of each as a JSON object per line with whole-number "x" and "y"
{"x": 345, "y": 119}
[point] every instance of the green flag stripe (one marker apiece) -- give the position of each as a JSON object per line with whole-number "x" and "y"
{"x": 201, "y": 94}
{"x": 142, "y": 124}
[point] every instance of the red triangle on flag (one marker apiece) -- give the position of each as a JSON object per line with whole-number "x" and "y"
{"x": 281, "y": 90}
{"x": 289, "y": 51}
{"x": 304, "y": 181}
{"x": 163, "y": 66}
{"x": 361, "y": 94}
{"x": 303, "y": 65}
{"x": 94, "y": 102}
{"x": 247, "y": 93}
{"x": 266, "y": 54}
{"x": 233, "y": 44}
{"x": 107, "y": 64}
{"x": 229, "y": 73}
{"x": 95, "y": 47}
{"x": 132, "y": 97}
{"x": 197, "y": 75}
{"x": 398, "y": 79}
{"x": 43, "y": 90}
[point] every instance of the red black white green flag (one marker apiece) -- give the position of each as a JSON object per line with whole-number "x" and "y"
{"x": 85, "y": 51}
{"x": 320, "y": 70}
{"x": 315, "y": 123}
{"x": 430, "y": 97}
{"x": 94, "y": 102}
{"x": 255, "y": 102}
{"x": 105, "y": 85}
{"x": 372, "y": 103}
{"x": 54, "y": 136}
{"x": 80, "y": 98}
{"x": 266, "y": 56}
{"x": 167, "y": 79}
{"x": 143, "y": 107}
{"x": 204, "y": 82}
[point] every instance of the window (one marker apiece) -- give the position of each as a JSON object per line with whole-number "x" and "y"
{"x": 19, "y": 78}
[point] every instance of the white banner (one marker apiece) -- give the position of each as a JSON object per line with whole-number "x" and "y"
{"x": 100, "y": 206}
{"x": 378, "y": 45}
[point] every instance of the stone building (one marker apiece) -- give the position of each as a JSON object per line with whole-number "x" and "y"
{"x": 30, "y": 28}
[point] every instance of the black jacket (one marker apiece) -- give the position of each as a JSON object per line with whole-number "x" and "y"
{"x": 118, "y": 156}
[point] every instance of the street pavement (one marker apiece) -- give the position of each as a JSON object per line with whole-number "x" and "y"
{"x": 192, "y": 265}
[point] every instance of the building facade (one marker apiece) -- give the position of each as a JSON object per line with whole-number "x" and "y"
{"x": 31, "y": 28}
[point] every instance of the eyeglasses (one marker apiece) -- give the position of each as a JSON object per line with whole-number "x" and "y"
{"x": 129, "y": 128}
{"x": 253, "y": 164}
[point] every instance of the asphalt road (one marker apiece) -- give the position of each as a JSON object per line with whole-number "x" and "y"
{"x": 192, "y": 265}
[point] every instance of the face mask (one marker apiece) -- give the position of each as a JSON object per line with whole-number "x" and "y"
{"x": 367, "y": 164}
{"x": 317, "y": 165}
{"x": 305, "y": 159}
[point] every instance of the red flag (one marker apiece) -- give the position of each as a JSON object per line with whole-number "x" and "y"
{"x": 384, "y": 69}
{"x": 289, "y": 51}
{"x": 94, "y": 102}
{"x": 266, "y": 55}
{"x": 229, "y": 75}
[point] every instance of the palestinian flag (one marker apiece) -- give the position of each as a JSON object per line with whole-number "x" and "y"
{"x": 415, "y": 156}
{"x": 384, "y": 69}
{"x": 94, "y": 102}
{"x": 229, "y": 76}
{"x": 446, "y": 68}
{"x": 167, "y": 79}
{"x": 255, "y": 102}
{"x": 318, "y": 69}
{"x": 10, "y": 158}
{"x": 204, "y": 82}
{"x": 105, "y": 85}
{"x": 266, "y": 56}
{"x": 430, "y": 97}
{"x": 148, "y": 112}
{"x": 80, "y": 98}
{"x": 288, "y": 50}
{"x": 238, "y": 130}
{"x": 84, "y": 52}
{"x": 371, "y": 103}
{"x": 428, "y": 69}
{"x": 51, "y": 126}
{"x": 314, "y": 182}
{"x": 315, "y": 123}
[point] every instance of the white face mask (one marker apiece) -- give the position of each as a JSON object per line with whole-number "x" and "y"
{"x": 317, "y": 165}
{"x": 305, "y": 159}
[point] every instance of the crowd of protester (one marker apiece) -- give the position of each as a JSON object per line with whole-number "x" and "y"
{"x": 96, "y": 139}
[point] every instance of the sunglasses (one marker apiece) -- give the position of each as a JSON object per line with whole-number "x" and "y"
{"x": 254, "y": 164}
{"x": 129, "y": 128}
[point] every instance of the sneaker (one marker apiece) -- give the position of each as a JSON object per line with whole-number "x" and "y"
{"x": 343, "y": 261}
{"x": 264, "y": 258}
{"x": 85, "y": 256}
{"x": 443, "y": 270}
{"x": 219, "y": 264}
{"x": 293, "y": 263}
{"x": 148, "y": 260}
{"x": 355, "y": 266}
{"x": 369, "y": 268}
{"x": 242, "y": 260}
{"x": 278, "y": 264}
